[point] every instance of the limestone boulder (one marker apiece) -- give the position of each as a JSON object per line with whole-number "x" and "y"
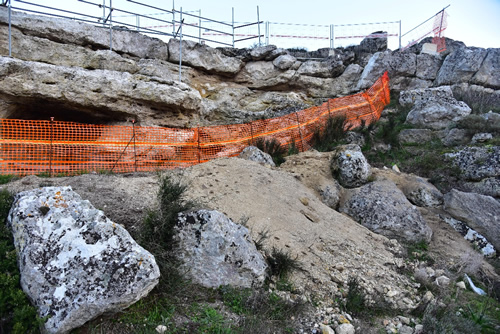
{"x": 114, "y": 95}
{"x": 416, "y": 189}
{"x": 428, "y": 66}
{"x": 489, "y": 186}
{"x": 488, "y": 74}
{"x": 263, "y": 75}
{"x": 383, "y": 208}
{"x": 415, "y": 136}
{"x": 396, "y": 63}
{"x": 476, "y": 163}
{"x": 316, "y": 87}
{"x": 214, "y": 251}
{"x": 377, "y": 41}
{"x": 433, "y": 108}
{"x": 481, "y": 213}
{"x": 68, "y": 31}
{"x": 263, "y": 52}
{"x": 329, "y": 68}
{"x": 252, "y": 153}
{"x": 349, "y": 166}
{"x": 454, "y": 137}
{"x": 75, "y": 263}
{"x": 203, "y": 57}
{"x": 461, "y": 65}
{"x": 479, "y": 241}
{"x": 284, "y": 62}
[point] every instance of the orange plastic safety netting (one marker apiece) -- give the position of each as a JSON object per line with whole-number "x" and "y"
{"x": 52, "y": 147}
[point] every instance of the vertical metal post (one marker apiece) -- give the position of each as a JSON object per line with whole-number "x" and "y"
{"x": 199, "y": 146}
{"x": 173, "y": 17}
{"x": 103, "y": 13}
{"x": 300, "y": 132}
{"x": 111, "y": 25}
{"x": 180, "y": 49}
{"x": 233, "y": 24}
{"x": 133, "y": 136}
{"x": 267, "y": 32}
{"x": 400, "y": 34}
{"x": 138, "y": 22}
{"x": 258, "y": 23}
{"x": 199, "y": 25}
{"x": 10, "y": 29}
{"x": 333, "y": 36}
{"x": 441, "y": 23}
{"x": 51, "y": 140}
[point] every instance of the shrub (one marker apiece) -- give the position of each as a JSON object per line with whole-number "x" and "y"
{"x": 355, "y": 302}
{"x": 273, "y": 148}
{"x": 158, "y": 229}
{"x": 281, "y": 263}
{"x": 327, "y": 137}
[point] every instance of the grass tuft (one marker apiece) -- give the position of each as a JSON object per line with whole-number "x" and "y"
{"x": 327, "y": 138}
{"x": 273, "y": 148}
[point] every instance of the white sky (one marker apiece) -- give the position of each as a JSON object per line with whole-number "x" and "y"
{"x": 475, "y": 22}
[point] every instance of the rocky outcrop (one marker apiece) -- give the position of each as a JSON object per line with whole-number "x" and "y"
{"x": 78, "y": 33}
{"x": 482, "y": 213}
{"x": 252, "y": 153}
{"x": 203, "y": 57}
{"x": 349, "y": 166}
{"x": 415, "y": 136}
{"x": 460, "y": 66}
{"x": 416, "y": 189}
{"x": 488, "y": 74}
{"x": 477, "y": 163}
{"x": 383, "y": 208}
{"x": 214, "y": 251}
{"x": 479, "y": 241}
{"x": 433, "y": 108}
{"x": 75, "y": 263}
{"x": 116, "y": 95}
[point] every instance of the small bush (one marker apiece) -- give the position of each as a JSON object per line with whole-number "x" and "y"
{"x": 158, "y": 229}
{"x": 273, "y": 148}
{"x": 480, "y": 101}
{"x": 281, "y": 263}
{"x": 327, "y": 138}
{"x": 355, "y": 302}
{"x": 6, "y": 178}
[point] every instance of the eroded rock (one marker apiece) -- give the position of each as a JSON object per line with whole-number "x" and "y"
{"x": 350, "y": 166}
{"x": 75, "y": 263}
{"x": 384, "y": 209}
{"x": 252, "y": 153}
{"x": 214, "y": 251}
{"x": 433, "y": 108}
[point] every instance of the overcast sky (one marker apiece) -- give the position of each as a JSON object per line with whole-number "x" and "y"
{"x": 475, "y": 22}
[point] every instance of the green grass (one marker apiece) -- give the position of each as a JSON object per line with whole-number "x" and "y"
{"x": 6, "y": 178}
{"x": 273, "y": 148}
{"x": 17, "y": 315}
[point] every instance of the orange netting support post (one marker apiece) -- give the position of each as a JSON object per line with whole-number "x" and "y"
{"x": 67, "y": 148}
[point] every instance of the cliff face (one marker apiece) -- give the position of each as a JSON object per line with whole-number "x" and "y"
{"x": 65, "y": 69}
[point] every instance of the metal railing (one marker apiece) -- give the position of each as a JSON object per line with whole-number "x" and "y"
{"x": 426, "y": 29}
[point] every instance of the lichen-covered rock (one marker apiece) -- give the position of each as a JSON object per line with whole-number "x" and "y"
{"x": 481, "y": 137}
{"x": 489, "y": 72}
{"x": 214, "y": 251}
{"x": 284, "y": 62}
{"x": 415, "y": 136}
{"x": 460, "y": 66}
{"x": 75, "y": 263}
{"x": 482, "y": 213}
{"x": 428, "y": 66}
{"x": 383, "y": 208}
{"x": 262, "y": 52}
{"x": 349, "y": 166}
{"x": 454, "y": 137}
{"x": 489, "y": 186}
{"x": 479, "y": 241}
{"x": 252, "y": 153}
{"x": 476, "y": 163}
{"x": 433, "y": 108}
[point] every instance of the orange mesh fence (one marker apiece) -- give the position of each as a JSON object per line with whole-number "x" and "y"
{"x": 51, "y": 147}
